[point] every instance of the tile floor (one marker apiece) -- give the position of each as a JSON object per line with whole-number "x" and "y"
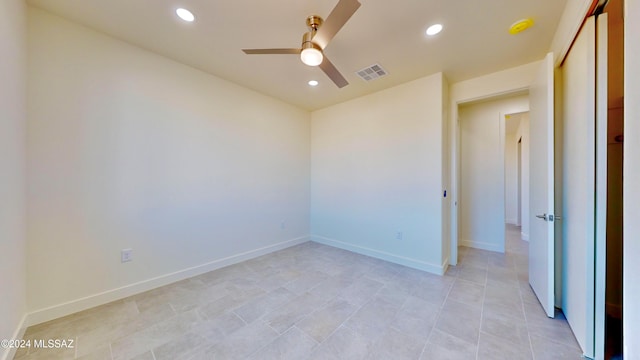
{"x": 317, "y": 302}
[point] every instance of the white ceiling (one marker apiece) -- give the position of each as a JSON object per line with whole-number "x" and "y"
{"x": 475, "y": 39}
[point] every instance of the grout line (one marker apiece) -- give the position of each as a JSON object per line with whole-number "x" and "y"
{"x": 174, "y": 309}
{"x": 433, "y": 327}
{"x": 484, "y": 296}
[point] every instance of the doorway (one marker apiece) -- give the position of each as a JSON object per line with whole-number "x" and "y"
{"x": 488, "y": 196}
{"x": 516, "y": 127}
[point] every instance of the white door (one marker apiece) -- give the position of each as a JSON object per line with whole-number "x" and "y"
{"x": 584, "y": 185}
{"x": 602, "y": 125}
{"x": 541, "y": 174}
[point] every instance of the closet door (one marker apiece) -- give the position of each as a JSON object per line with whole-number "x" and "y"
{"x": 584, "y": 185}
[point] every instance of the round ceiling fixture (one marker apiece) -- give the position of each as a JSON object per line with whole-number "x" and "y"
{"x": 185, "y": 15}
{"x": 520, "y": 26}
{"x": 311, "y": 54}
{"x": 313, "y": 83}
{"x": 434, "y": 29}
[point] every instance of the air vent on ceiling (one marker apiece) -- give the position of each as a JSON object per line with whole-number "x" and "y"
{"x": 372, "y": 72}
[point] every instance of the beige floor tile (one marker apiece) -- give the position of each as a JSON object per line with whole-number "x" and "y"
{"x": 180, "y": 348}
{"x": 505, "y": 327}
{"x": 305, "y": 282}
{"x": 345, "y": 344}
{"x": 98, "y": 353}
{"x": 545, "y": 349}
{"x": 373, "y": 318}
{"x": 322, "y": 323}
{"x": 416, "y": 317}
{"x": 361, "y": 291}
{"x": 322, "y": 353}
{"x": 460, "y": 320}
{"x": 313, "y": 301}
{"x": 243, "y": 342}
{"x": 473, "y": 273}
{"x": 396, "y": 345}
{"x": 292, "y": 345}
{"x": 146, "y": 356}
{"x": 467, "y": 292}
{"x": 394, "y": 293}
{"x": 495, "y": 348}
{"x": 434, "y": 290}
{"x": 284, "y": 317}
{"x": 443, "y": 346}
{"x": 332, "y": 287}
{"x": 258, "y": 307}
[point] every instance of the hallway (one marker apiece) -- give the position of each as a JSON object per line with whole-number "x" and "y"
{"x": 513, "y": 324}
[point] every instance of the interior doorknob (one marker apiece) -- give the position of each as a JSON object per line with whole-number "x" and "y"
{"x": 543, "y": 216}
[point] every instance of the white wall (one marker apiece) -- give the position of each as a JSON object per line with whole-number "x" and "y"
{"x": 128, "y": 149}
{"x": 446, "y": 175}
{"x": 376, "y": 169}
{"x": 12, "y": 174}
{"x": 482, "y": 170}
{"x": 511, "y": 178}
{"x": 631, "y": 180}
{"x": 523, "y": 133}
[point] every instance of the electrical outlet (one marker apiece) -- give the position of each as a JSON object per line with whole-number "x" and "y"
{"x": 126, "y": 255}
{"x": 399, "y": 235}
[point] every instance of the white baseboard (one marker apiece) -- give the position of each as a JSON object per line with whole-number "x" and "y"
{"x": 67, "y": 308}
{"x": 483, "y": 245}
{"x": 412, "y": 263}
{"x": 524, "y": 236}
{"x": 8, "y": 354}
{"x": 445, "y": 266}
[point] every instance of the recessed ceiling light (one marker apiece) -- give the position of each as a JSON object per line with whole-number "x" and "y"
{"x": 313, "y": 83}
{"x": 185, "y": 14}
{"x": 434, "y": 29}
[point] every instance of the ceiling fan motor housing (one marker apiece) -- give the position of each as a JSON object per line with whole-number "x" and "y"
{"x": 314, "y": 22}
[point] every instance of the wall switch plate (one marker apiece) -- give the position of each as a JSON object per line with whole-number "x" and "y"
{"x": 126, "y": 255}
{"x": 399, "y": 235}
{"x": 283, "y": 225}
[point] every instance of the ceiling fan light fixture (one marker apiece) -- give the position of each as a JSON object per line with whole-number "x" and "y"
{"x": 311, "y": 56}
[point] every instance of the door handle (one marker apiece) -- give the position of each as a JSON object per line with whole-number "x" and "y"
{"x": 549, "y": 217}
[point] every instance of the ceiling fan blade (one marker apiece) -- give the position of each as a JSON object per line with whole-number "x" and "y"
{"x": 333, "y": 73}
{"x": 335, "y": 21}
{"x": 270, "y": 51}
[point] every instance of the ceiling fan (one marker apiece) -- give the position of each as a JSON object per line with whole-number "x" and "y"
{"x": 317, "y": 38}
